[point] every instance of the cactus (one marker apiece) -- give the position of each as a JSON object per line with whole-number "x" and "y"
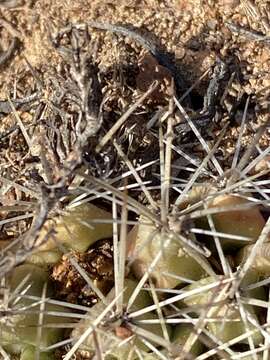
{"x": 170, "y": 298}
{"x": 147, "y": 242}
{"x": 190, "y": 263}
{"x": 116, "y": 330}
{"x": 19, "y": 333}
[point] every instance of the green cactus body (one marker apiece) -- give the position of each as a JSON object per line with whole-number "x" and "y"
{"x": 147, "y": 242}
{"x": 21, "y": 331}
{"x": 223, "y": 330}
{"x": 180, "y": 335}
{"x": 29, "y": 353}
{"x": 108, "y": 340}
{"x": 247, "y": 222}
{"x": 75, "y": 230}
{"x": 261, "y": 263}
{"x": 45, "y": 258}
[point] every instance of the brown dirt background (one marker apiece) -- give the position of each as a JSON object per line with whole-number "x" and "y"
{"x": 194, "y": 31}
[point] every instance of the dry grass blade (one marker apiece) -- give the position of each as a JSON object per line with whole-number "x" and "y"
{"x": 201, "y": 213}
{"x": 40, "y": 321}
{"x": 180, "y": 152}
{"x": 225, "y": 266}
{"x": 203, "y": 319}
{"x": 150, "y": 336}
{"x": 248, "y": 153}
{"x": 90, "y": 330}
{"x": 4, "y": 354}
{"x": 257, "y": 189}
{"x": 15, "y": 296}
{"x": 165, "y": 185}
{"x": 230, "y": 189}
{"x": 21, "y": 125}
{"x": 124, "y": 117}
{"x": 88, "y": 280}
{"x": 122, "y": 256}
{"x": 147, "y": 274}
{"x": 220, "y": 234}
{"x": 252, "y": 164}
{"x": 10, "y": 183}
{"x": 135, "y": 204}
{"x": 244, "y": 317}
{"x": 116, "y": 258}
{"x": 161, "y": 319}
{"x": 241, "y": 132}
{"x": 226, "y": 346}
{"x": 136, "y": 175}
{"x": 163, "y": 213}
{"x": 98, "y": 350}
{"x": 199, "y": 169}
{"x": 16, "y": 218}
{"x": 198, "y": 135}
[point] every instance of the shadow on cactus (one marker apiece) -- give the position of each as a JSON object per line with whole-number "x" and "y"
{"x": 188, "y": 277}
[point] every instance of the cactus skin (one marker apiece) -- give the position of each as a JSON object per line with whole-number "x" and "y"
{"x": 261, "y": 263}
{"x": 247, "y": 222}
{"x": 29, "y": 354}
{"x": 75, "y": 231}
{"x": 180, "y": 335}
{"x": 108, "y": 342}
{"x": 148, "y": 242}
{"x": 21, "y": 334}
{"x": 223, "y": 331}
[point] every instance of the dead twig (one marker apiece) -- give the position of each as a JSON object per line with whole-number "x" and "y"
{"x": 124, "y": 117}
{"x": 6, "y": 55}
{"x": 248, "y": 34}
{"x": 134, "y": 33}
{"x": 14, "y": 44}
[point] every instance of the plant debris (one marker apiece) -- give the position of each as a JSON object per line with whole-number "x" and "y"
{"x": 151, "y": 111}
{"x": 97, "y": 262}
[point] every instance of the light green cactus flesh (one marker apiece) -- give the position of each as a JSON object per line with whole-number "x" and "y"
{"x": 148, "y": 242}
{"x": 76, "y": 230}
{"x": 20, "y": 331}
{"x": 246, "y": 222}
{"x": 45, "y": 258}
{"x": 29, "y": 353}
{"x": 261, "y": 263}
{"x": 180, "y": 336}
{"x": 108, "y": 337}
{"x": 227, "y": 330}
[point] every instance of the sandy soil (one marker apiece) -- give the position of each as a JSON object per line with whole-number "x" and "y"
{"x": 195, "y": 33}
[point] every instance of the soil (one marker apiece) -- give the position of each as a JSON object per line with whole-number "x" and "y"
{"x": 96, "y": 262}
{"x": 196, "y": 33}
